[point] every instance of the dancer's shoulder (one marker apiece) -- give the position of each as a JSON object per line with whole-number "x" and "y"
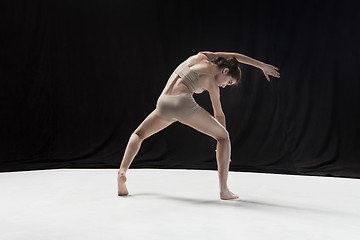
{"x": 210, "y": 56}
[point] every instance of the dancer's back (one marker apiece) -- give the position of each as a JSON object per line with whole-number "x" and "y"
{"x": 198, "y": 64}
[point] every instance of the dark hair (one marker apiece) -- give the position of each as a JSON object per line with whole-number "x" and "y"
{"x": 234, "y": 67}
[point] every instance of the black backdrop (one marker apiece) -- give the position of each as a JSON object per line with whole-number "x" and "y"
{"x": 77, "y": 78}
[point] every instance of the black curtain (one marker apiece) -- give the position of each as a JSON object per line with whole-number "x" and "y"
{"x": 78, "y": 77}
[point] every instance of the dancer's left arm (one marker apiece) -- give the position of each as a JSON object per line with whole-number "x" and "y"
{"x": 266, "y": 68}
{"x": 214, "y": 94}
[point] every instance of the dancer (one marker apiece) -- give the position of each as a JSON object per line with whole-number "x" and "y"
{"x": 203, "y": 71}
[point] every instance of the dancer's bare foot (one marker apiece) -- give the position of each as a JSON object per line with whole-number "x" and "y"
{"x": 122, "y": 190}
{"x": 227, "y": 195}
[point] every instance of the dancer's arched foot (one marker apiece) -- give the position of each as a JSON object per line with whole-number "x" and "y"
{"x": 227, "y": 195}
{"x": 122, "y": 190}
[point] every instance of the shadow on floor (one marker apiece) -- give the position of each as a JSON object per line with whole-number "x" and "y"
{"x": 258, "y": 205}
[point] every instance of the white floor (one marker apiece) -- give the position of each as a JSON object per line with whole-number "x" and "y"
{"x": 176, "y": 204}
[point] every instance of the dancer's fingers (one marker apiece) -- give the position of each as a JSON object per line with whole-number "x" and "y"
{"x": 267, "y": 77}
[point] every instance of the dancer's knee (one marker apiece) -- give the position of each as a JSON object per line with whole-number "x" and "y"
{"x": 138, "y": 136}
{"x": 223, "y": 137}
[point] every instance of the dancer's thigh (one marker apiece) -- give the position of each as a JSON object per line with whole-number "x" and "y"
{"x": 207, "y": 124}
{"x": 151, "y": 125}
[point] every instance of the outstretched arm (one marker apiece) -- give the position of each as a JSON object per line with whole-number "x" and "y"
{"x": 266, "y": 68}
{"x": 240, "y": 57}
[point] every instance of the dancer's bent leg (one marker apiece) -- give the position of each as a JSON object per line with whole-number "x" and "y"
{"x": 207, "y": 124}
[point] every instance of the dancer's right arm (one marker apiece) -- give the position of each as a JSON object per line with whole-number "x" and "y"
{"x": 266, "y": 68}
{"x": 240, "y": 57}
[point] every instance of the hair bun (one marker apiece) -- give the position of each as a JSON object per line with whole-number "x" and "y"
{"x": 232, "y": 63}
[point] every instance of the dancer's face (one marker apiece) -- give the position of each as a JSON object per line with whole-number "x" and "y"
{"x": 224, "y": 79}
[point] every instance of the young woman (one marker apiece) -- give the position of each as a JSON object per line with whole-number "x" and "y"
{"x": 204, "y": 71}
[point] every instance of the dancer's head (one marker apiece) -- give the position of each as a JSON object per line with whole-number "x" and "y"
{"x": 230, "y": 72}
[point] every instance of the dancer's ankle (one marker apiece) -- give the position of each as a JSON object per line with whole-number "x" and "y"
{"x": 224, "y": 190}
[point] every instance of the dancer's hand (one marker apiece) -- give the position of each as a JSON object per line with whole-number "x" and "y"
{"x": 270, "y": 70}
